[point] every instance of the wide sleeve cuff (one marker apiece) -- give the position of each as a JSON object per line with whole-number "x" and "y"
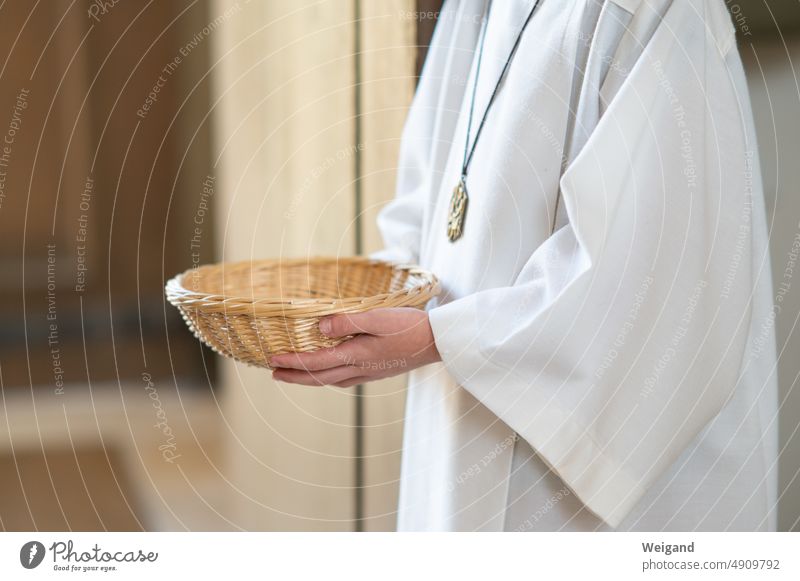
{"x": 599, "y": 481}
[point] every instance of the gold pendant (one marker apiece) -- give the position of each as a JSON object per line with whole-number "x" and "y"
{"x": 457, "y": 211}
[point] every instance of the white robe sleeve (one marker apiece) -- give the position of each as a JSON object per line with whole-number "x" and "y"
{"x": 624, "y": 333}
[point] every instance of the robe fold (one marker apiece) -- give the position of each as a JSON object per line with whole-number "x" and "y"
{"x": 607, "y": 321}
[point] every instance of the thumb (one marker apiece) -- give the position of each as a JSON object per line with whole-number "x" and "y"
{"x": 351, "y": 324}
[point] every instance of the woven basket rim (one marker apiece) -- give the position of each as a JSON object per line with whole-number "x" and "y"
{"x": 180, "y": 296}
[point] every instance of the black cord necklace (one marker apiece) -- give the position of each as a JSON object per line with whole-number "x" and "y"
{"x": 458, "y": 201}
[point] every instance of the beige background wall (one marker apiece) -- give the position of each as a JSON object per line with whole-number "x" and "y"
{"x": 289, "y": 144}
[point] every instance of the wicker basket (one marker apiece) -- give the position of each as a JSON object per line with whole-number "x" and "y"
{"x": 256, "y": 309}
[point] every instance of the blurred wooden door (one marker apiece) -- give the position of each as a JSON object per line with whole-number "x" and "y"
{"x": 96, "y": 199}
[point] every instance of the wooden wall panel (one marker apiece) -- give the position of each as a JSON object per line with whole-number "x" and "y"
{"x": 86, "y": 233}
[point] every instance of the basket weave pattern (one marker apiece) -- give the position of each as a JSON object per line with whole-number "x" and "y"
{"x": 256, "y": 309}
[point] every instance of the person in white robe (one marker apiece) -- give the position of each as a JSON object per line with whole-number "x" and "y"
{"x": 602, "y": 356}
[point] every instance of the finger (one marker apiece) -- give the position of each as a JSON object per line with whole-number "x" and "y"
{"x": 374, "y": 322}
{"x": 348, "y": 353}
{"x": 316, "y": 378}
{"x": 311, "y": 361}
